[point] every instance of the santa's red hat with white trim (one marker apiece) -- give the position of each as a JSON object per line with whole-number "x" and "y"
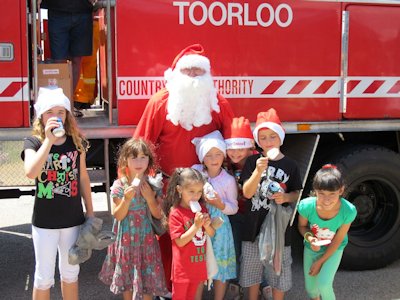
{"x": 239, "y": 135}
{"x": 269, "y": 119}
{"x": 192, "y": 56}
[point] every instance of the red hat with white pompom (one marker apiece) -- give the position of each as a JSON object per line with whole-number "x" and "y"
{"x": 269, "y": 119}
{"x": 239, "y": 135}
{"x": 192, "y": 56}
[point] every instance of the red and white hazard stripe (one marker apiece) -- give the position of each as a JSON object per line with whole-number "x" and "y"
{"x": 14, "y": 89}
{"x": 373, "y": 87}
{"x": 274, "y": 87}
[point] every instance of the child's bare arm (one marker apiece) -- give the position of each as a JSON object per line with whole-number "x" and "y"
{"x": 35, "y": 160}
{"x": 216, "y": 201}
{"x": 207, "y": 225}
{"x": 86, "y": 190}
{"x": 281, "y": 198}
{"x": 190, "y": 233}
{"x": 331, "y": 248}
{"x": 306, "y": 233}
{"x": 121, "y": 206}
{"x": 336, "y": 242}
{"x": 302, "y": 225}
{"x": 250, "y": 186}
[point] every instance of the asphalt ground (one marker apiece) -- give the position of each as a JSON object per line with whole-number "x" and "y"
{"x": 17, "y": 263}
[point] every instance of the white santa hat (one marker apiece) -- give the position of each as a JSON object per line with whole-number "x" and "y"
{"x": 269, "y": 119}
{"x": 49, "y": 98}
{"x": 190, "y": 57}
{"x": 239, "y": 135}
{"x": 206, "y": 143}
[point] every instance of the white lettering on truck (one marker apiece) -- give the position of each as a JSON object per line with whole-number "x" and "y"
{"x": 265, "y": 14}
{"x": 234, "y": 86}
{"x": 139, "y": 87}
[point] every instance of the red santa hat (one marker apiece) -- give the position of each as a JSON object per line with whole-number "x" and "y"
{"x": 192, "y": 56}
{"x": 239, "y": 135}
{"x": 49, "y": 98}
{"x": 269, "y": 119}
{"x": 206, "y": 143}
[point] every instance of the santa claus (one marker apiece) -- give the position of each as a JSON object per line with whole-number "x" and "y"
{"x": 188, "y": 107}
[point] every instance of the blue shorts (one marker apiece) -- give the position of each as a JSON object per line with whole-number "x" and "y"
{"x": 70, "y": 34}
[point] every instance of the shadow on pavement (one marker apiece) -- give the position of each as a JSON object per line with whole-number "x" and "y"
{"x": 17, "y": 261}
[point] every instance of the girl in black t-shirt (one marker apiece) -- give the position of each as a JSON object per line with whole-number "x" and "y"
{"x": 57, "y": 163}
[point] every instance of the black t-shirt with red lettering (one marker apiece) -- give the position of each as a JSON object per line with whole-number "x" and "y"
{"x": 58, "y": 201}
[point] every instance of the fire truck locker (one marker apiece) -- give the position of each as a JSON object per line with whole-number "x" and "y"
{"x": 14, "y": 87}
{"x": 373, "y": 82}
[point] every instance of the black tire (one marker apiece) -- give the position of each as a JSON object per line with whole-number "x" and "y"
{"x": 372, "y": 177}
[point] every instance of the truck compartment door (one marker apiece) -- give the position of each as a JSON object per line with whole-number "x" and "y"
{"x": 14, "y": 91}
{"x": 373, "y": 89}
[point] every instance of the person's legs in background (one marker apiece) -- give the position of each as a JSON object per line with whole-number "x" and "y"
{"x": 81, "y": 42}
{"x": 76, "y": 70}
{"x": 71, "y": 38}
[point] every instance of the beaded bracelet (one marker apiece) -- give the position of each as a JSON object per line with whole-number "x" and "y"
{"x": 306, "y": 235}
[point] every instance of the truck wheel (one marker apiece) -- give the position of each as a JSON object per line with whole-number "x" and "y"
{"x": 372, "y": 180}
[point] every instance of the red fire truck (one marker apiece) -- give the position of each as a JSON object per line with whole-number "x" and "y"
{"x": 330, "y": 68}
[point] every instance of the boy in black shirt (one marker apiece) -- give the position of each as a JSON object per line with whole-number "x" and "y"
{"x": 258, "y": 173}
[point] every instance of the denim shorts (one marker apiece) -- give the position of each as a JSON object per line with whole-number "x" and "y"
{"x": 70, "y": 34}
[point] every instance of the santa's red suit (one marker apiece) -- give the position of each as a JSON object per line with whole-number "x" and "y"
{"x": 173, "y": 142}
{"x": 174, "y": 146}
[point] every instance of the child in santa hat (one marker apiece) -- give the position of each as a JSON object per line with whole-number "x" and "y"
{"x": 211, "y": 151}
{"x": 239, "y": 145}
{"x": 259, "y": 171}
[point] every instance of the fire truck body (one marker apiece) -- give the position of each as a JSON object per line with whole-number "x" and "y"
{"x": 330, "y": 68}
{"x": 14, "y": 90}
{"x": 285, "y": 55}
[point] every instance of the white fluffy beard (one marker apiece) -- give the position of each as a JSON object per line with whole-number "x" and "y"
{"x": 191, "y": 99}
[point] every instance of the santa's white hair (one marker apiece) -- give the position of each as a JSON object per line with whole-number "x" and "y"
{"x": 191, "y": 99}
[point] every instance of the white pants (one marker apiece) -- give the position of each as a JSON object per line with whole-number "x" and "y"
{"x": 46, "y": 243}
